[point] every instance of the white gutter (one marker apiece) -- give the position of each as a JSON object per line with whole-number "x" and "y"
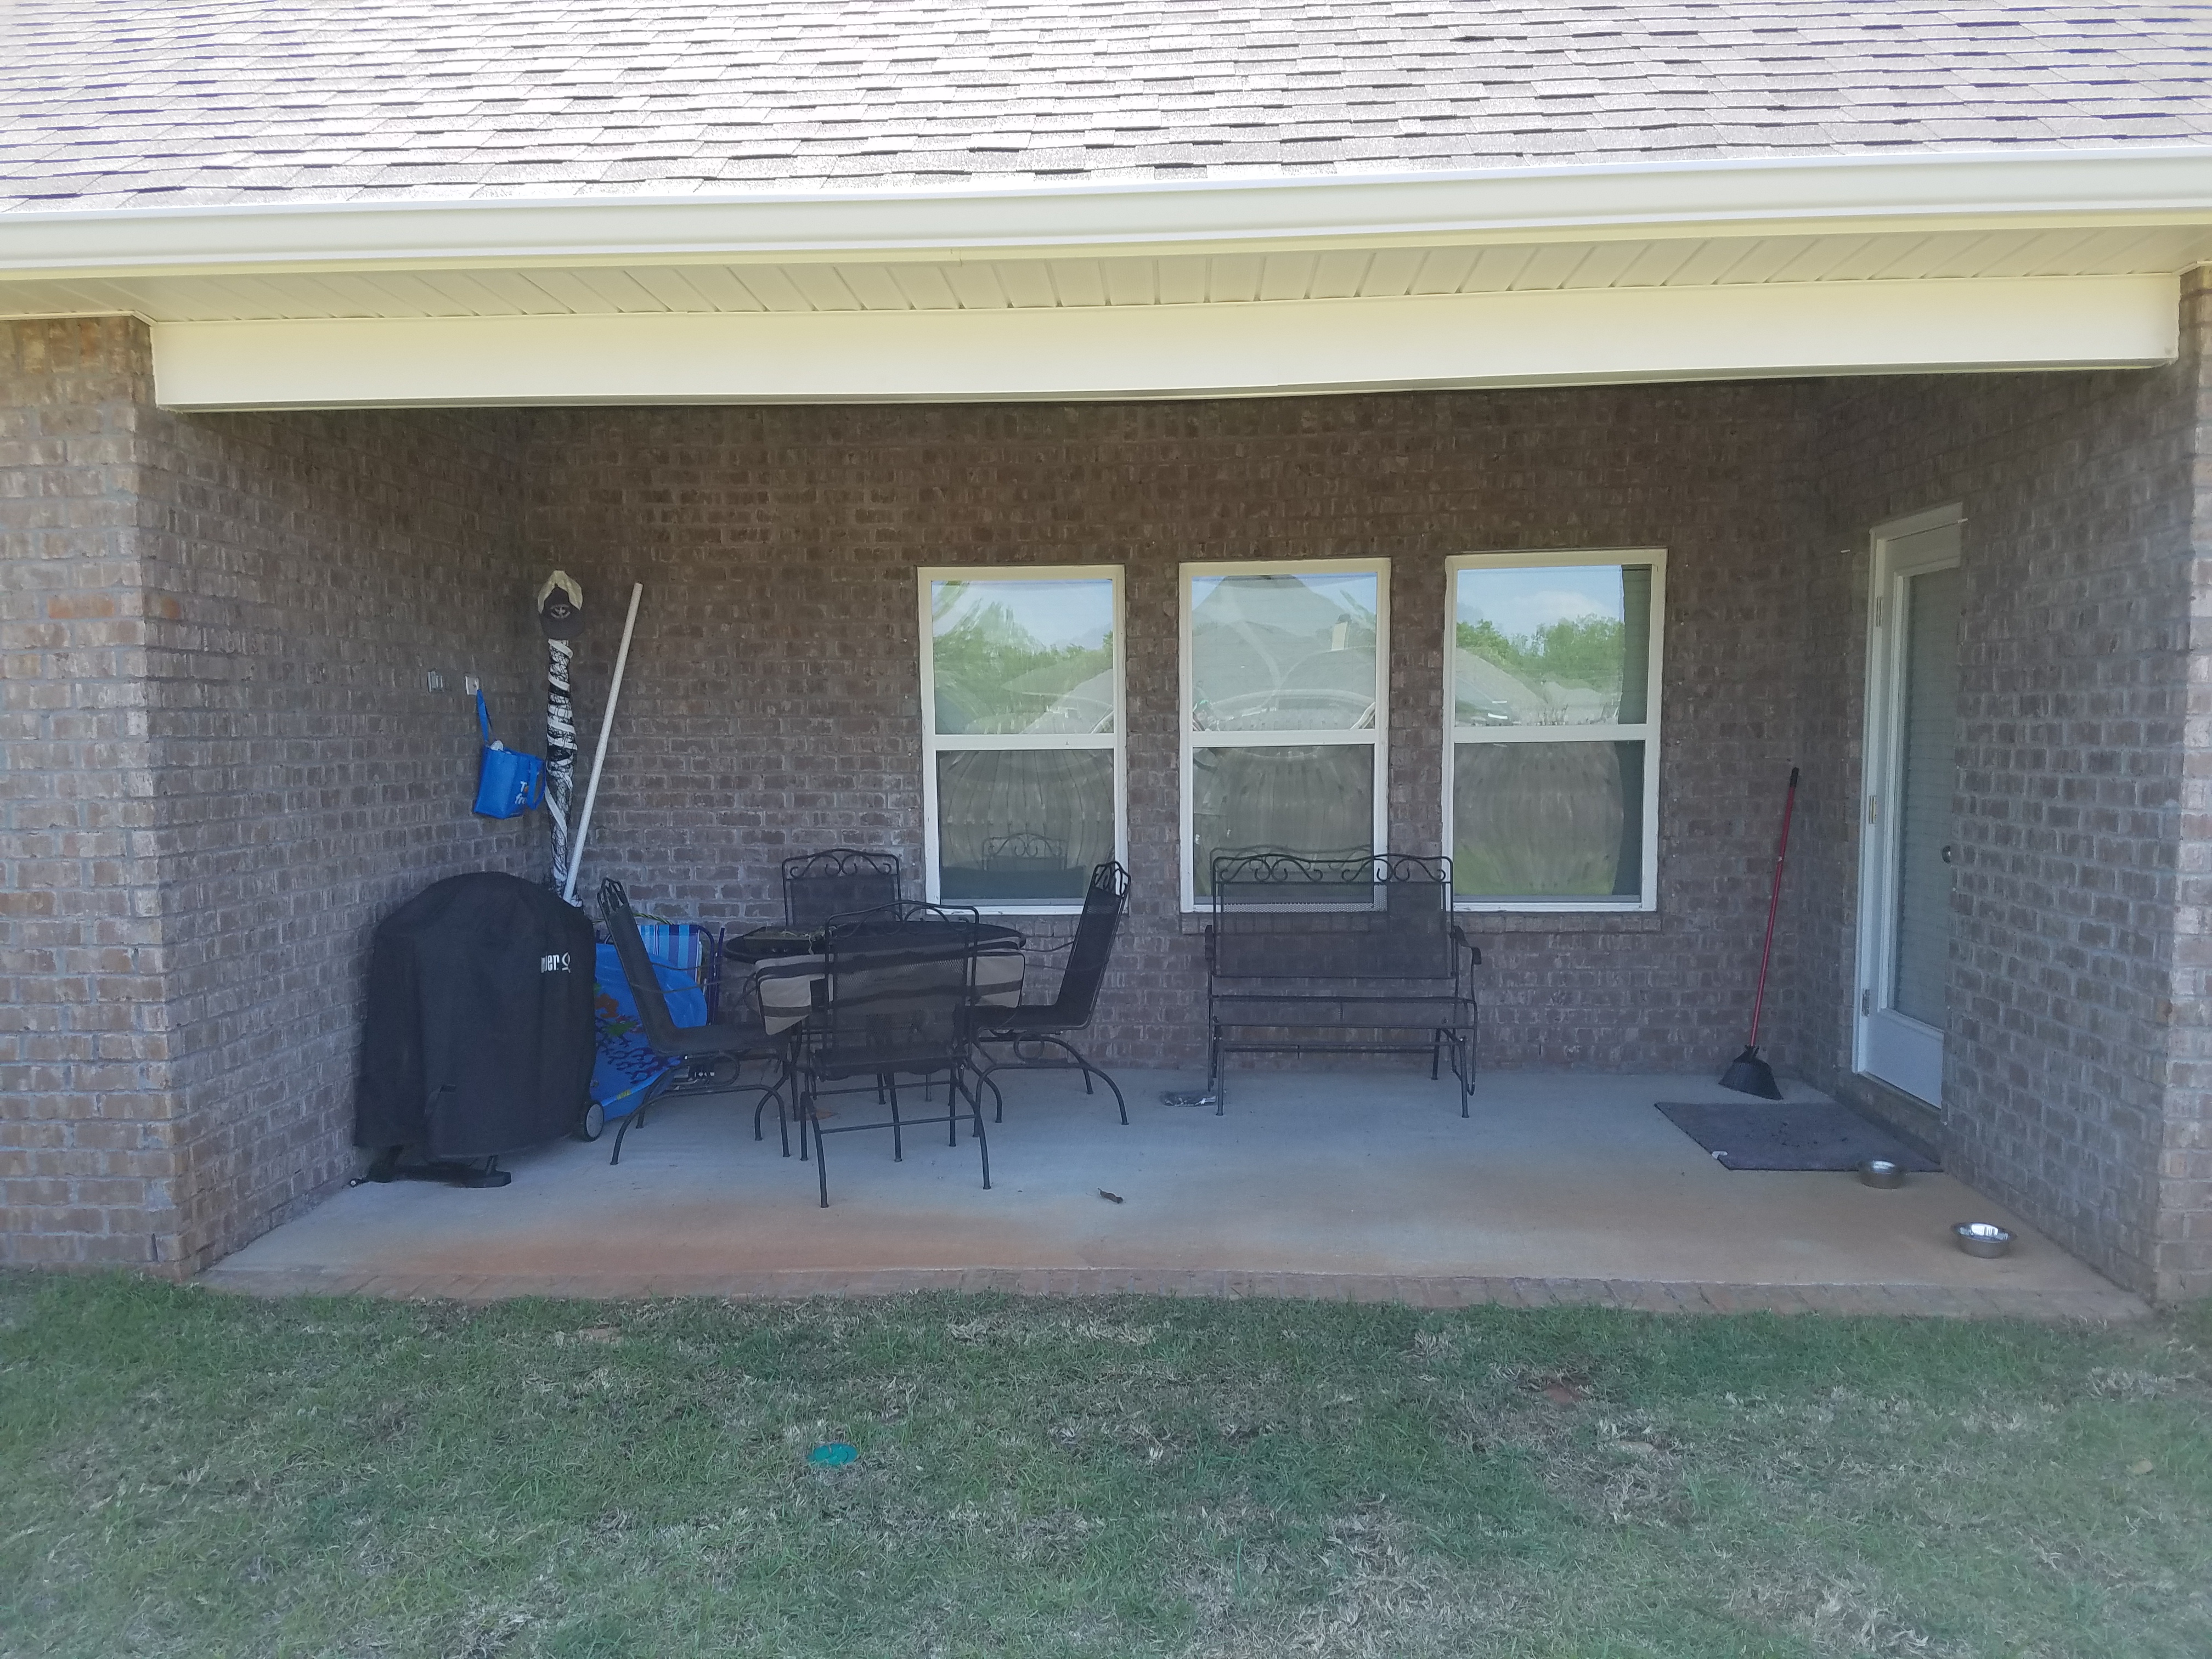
{"x": 2014, "y": 188}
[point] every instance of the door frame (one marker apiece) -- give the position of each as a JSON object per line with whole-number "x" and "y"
{"x": 1880, "y": 782}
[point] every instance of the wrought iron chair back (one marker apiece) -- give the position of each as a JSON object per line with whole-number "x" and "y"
{"x": 818, "y": 887}
{"x": 1105, "y": 901}
{"x": 1383, "y": 916}
{"x": 896, "y": 992}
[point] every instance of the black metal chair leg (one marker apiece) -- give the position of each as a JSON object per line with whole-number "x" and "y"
{"x": 619, "y": 1133}
{"x": 782, "y": 1118}
{"x": 821, "y": 1163}
{"x": 898, "y": 1144}
{"x": 1436, "y": 1051}
{"x": 982, "y": 1145}
{"x": 1120, "y": 1104}
{"x": 1215, "y": 1085}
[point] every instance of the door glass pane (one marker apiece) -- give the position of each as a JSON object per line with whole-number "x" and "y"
{"x": 1547, "y": 820}
{"x": 1316, "y": 801}
{"x": 1017, "y": 824}
{"x": 1283, "y": 652}
{"x": 1023, "y": 656}
{"x": 1553, "y": 644}
{"x": 1928, "y": 776}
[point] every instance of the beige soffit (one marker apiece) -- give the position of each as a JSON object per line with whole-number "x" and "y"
{"x": 1631, "y": 272}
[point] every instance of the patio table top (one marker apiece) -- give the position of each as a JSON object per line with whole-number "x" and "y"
{"x": 786, "y": 982}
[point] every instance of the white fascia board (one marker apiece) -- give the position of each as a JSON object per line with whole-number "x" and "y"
{"x": 2145, "y": 186}
{"x": 1175, "y": 351}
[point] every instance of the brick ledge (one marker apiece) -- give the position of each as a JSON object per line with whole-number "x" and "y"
{"x": 1646, "y": 1296}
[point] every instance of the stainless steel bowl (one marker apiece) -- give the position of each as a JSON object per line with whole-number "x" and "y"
{"x": 1882, "y": 1172}
{"x": 1983, "y": 1238}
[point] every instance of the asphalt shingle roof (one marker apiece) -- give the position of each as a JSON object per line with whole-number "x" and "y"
{"x": 114, "y": 103}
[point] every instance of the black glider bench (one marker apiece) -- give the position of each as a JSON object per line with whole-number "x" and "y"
{"x": 1338, "y": 956}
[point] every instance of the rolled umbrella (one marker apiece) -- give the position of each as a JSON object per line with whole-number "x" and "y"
{"x": 560, "y": 615}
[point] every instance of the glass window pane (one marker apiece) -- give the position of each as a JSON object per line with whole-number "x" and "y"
{"x": 1318, "y": 802}
{"x": 1016, "y": 825}
{"x": 1023, "y": 656}
{"x": 1283, "y": 652}
{"x": 1553, "y": 644}
{"x": 1547, "y": 820}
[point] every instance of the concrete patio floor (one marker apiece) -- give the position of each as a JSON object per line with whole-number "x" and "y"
{"x": 1561, "y": 1188}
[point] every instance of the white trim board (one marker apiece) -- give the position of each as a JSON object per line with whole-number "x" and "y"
{"x": 1272, "y": 348}
{"x": 2145, "y": 184}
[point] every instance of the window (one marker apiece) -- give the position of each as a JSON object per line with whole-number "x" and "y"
{"x": 1284, "y": 711}
{"x": 1022, "y": 782}
{"x": 1551, "y": 774}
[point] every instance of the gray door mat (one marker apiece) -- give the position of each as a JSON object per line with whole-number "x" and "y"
{"x": 1794, "y": 1134}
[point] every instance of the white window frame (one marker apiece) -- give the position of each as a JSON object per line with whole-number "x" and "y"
{"x": 1376, "y": 736}
{"x": 1648, "y": 731}
{"x": 933, "y": 744}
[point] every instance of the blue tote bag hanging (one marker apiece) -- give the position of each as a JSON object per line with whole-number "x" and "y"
{"x": 508, "y": 782}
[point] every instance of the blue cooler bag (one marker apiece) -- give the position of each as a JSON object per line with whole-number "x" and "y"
{"x": 508, "y": 782}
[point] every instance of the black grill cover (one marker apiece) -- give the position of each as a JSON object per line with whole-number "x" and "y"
{"x": 479, "y": 1035}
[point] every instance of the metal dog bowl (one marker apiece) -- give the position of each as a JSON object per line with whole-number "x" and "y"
{"x": 1882, "y": 1172}
{"x": 1982, "y": 1238}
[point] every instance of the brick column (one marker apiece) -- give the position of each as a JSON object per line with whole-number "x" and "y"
{"x": 87, "y": 1107}
{"x": 2181, "y": 1241}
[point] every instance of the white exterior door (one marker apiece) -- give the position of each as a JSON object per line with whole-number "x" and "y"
{"x": 1912, "y": 775}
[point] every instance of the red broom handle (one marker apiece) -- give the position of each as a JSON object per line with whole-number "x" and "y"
{"x": 1773, "y": 905}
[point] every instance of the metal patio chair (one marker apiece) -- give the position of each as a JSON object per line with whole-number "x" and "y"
{"x": 844, "y": 881}
{"x": 723, "y": 1042}
{"x": 895, "y": 1000}
{"x": 1034, "y": 1030}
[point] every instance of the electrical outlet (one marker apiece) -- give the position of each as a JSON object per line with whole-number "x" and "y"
{"x": 437, "y": 681}
{"x": 468, "y": 685}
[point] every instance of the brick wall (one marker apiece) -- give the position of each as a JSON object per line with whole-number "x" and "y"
{"x": 307, "y": 571}
{"x": 224, "y": 765}
{"x": 2078, "y": 557}
{"x": 773, "y": 699}
{"x": 89, "y": 1160}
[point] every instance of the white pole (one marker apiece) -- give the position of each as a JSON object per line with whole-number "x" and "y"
{"x": 599, "y": 756}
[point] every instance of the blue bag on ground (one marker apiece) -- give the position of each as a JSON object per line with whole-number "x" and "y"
{"x": 626, "y": 1069}
{"x": 508, "y": 782}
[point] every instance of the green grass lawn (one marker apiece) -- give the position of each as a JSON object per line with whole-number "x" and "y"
{"x": 185, "y": 1472}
